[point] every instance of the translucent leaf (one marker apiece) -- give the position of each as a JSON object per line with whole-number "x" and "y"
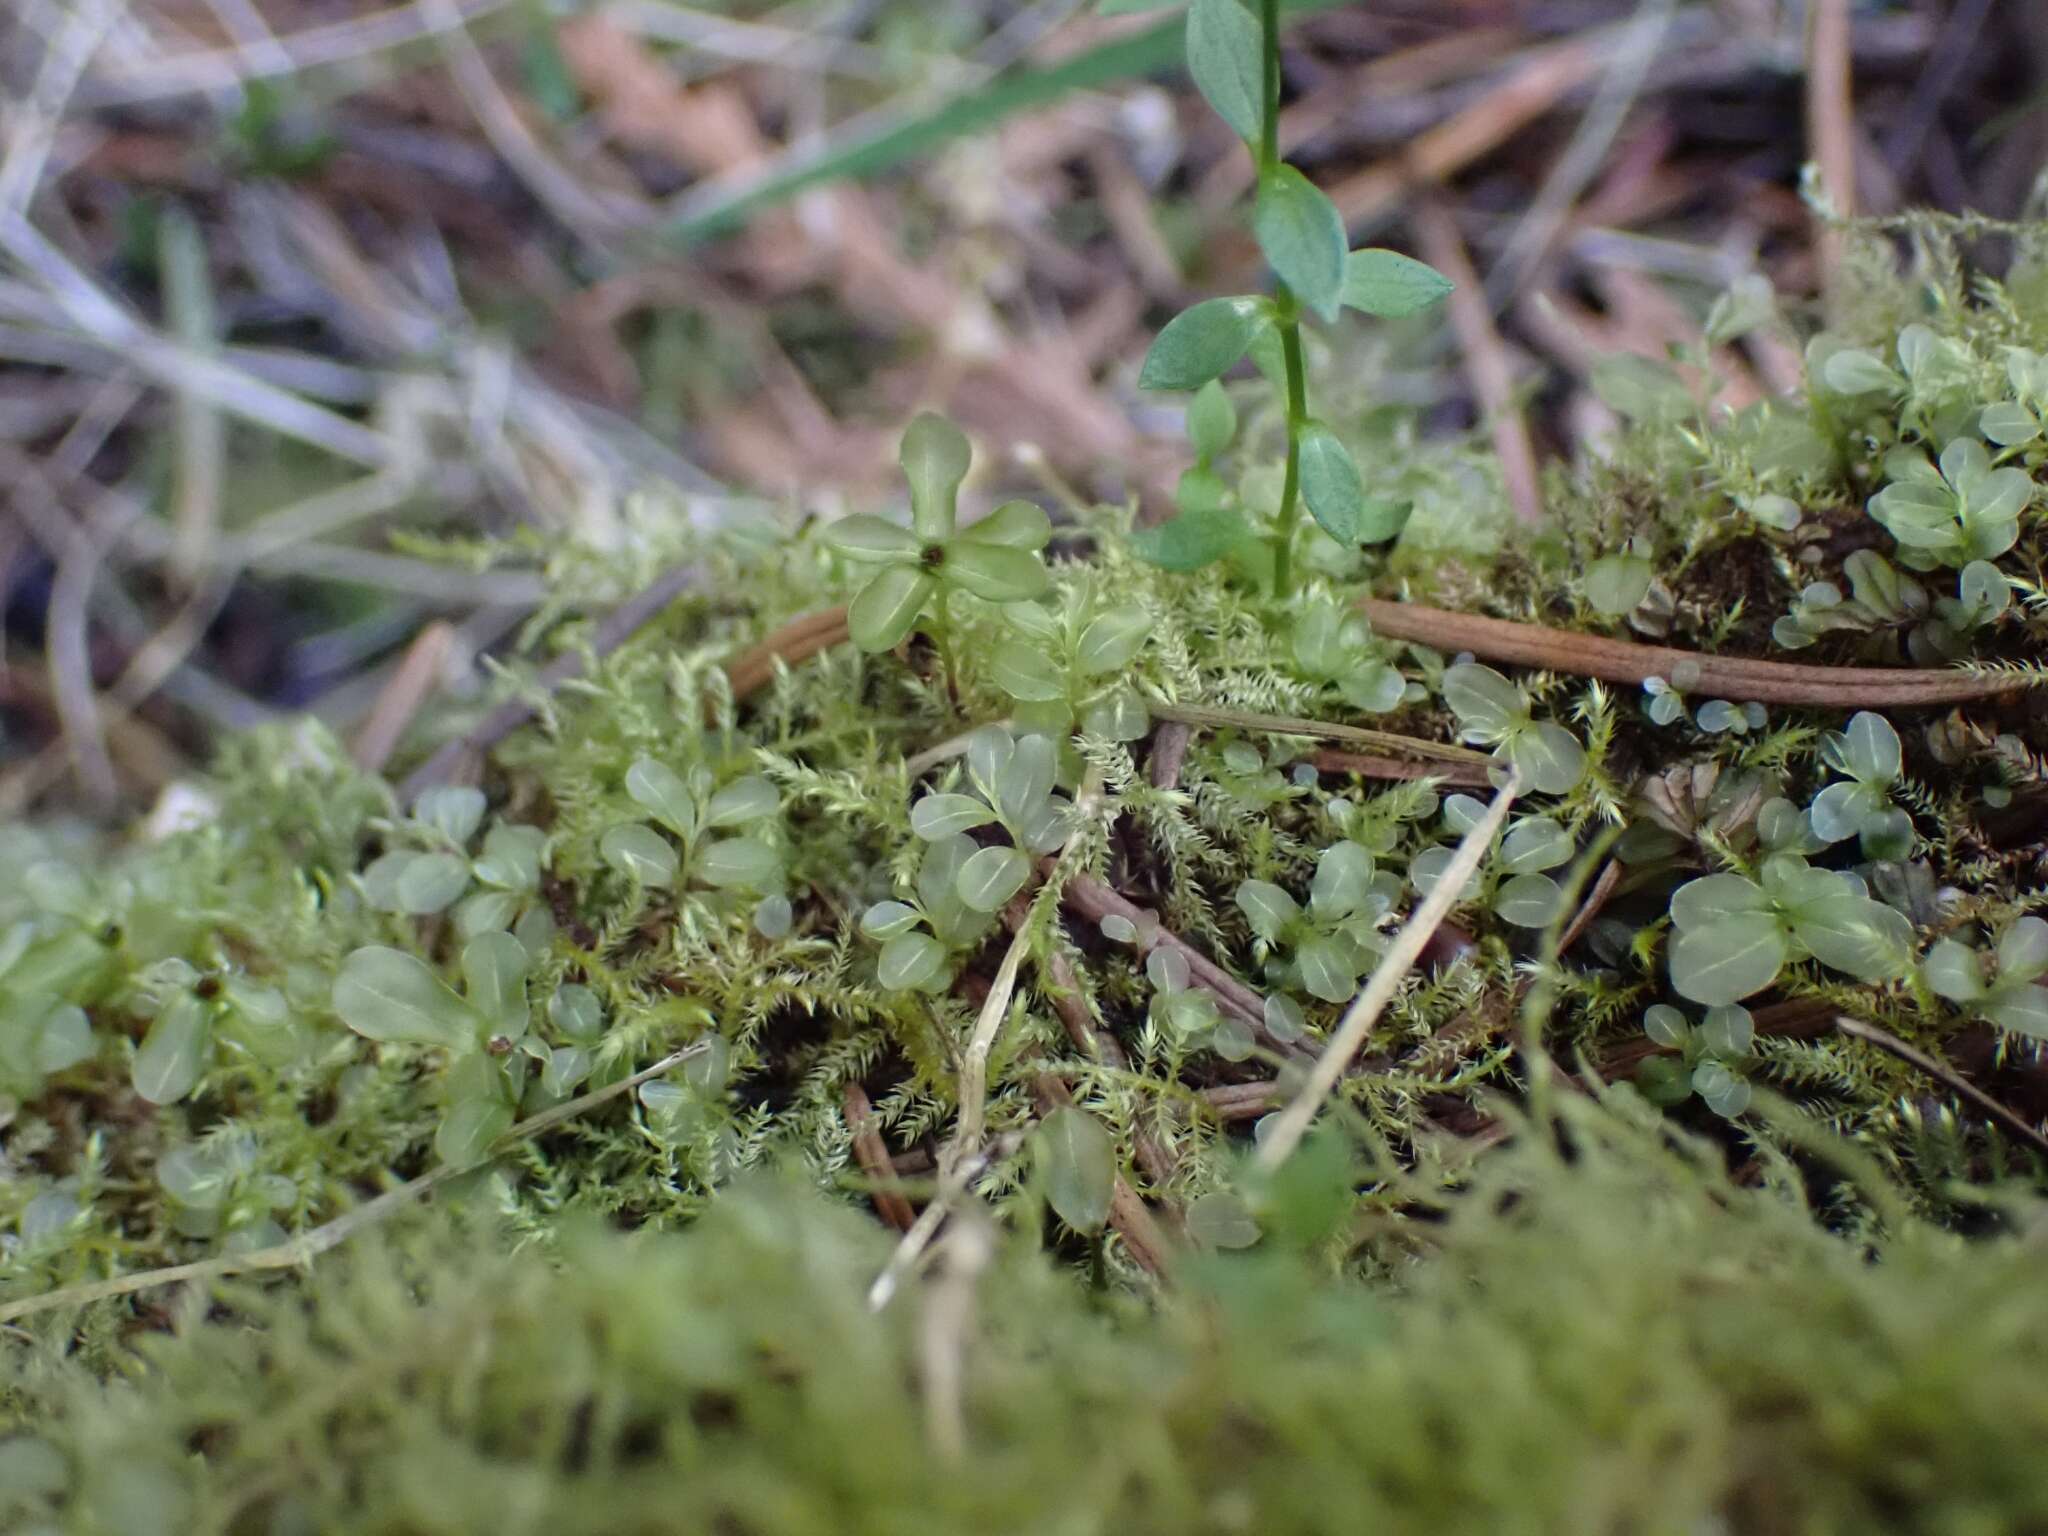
{"x": 1728, "y": 959}
{"x": 1855, "y": 372}
{"x": 774, "y": 917}
{"x": 1855, "y": 934}
{"x": 1374, "y": 688}
{"x": 1839, "y": 811}
{"x": 1193, "y": 539}
{"x": 743, "y": 800}
{"x": 387, "y": 994}
{"x": 1221, "y": 1220}
{"x": 454, "y": 810}
{"x": 994, "y": 571}
{"x": 2023, "y": 1010}
{"x": 937, "y": 816}
{"x": 2023, "y": 950}
{"x": 935, "y": 456}
{"x": 1487, "y": 705}
{"x": 886, "y": 919}
{"x": 711, "y": 1067}
{"x": 1266, "y": 907}
{"x": 1226, "y": 57}
{"x": 1119, "y": 715}
{"x": 60, "y": 1039}
{"x": 660, "y": 791}
{"x": 1711, "y": 898}
{"x": 1014, "y": 525}
{"x": 738, "y": 863}
{"x": 1549, "y": 757}
{"x": 1302, "y": 235}
{"x": 478, "y": 1113}
{"x": 1330, "y": 485}
{"x": 1534, "y": 844}
{"x": 1390, "y": 285}
{"x": 380, "y": 880}
{"x": 2009, "y": 424}
{"x": 565, "y": 1068}
{"x": 1528, "y": 901}
{"x": 873, "y": 540}
{"x": 908, "y": 961}
{"x": 988, "y": 753}
{"x": 576, "y": 1012}
{"x": 1201, "y": 342}
{"x": 1112, "y": 639}
{"x": 1027, "y": 778}
{"x": 1954, "y": 971}
{"x": 511, "y": 859}
{"x": 886, "y": 609}
{"x": 430, "y": 881}
{"x": 1615, "y": 584}
{"x": 1343, "y": 881}
{"x": 1027, "y": 675}
{"x": 1666, "y": 1025}
{"x": 1326, "y": 970}
{"x": 1432, "y": 864}
{"x": 1167, "y": 969}
{"x": 1380, "y": 519}
{"x": 1078, "y": 1160}
{"x": 992, "y": 876}
{"x": 1872, "y": 751}
{"x": 494, "y": 981}
{"x": 1212, "y": 420}
{"x": 1285, "y": 1021}
{"x": 1727, "y": 1031}
{"x": 639, "y": 853}
{"x": 173, "y": 1054}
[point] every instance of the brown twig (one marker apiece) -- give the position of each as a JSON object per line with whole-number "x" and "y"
{"x": 1596, "y": 898}
{"x": 1128, "y": 1216}
{"x": 1726, "y": 677}
{"x": 613, "y": 630}
{"x": 398, "y": 702}
{"x": 1366, "y": 765}
{"x": 1830, "y": 123}
{"x": 1169, "y": 752}
{"x": 873, "y": 1155}
{"x": 1944, "y": 1074}
{"x": 793, "y": 644}
{"x": 1319, "y": 730}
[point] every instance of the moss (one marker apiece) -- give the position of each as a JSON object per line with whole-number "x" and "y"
{"x": 1635, "y": 1345}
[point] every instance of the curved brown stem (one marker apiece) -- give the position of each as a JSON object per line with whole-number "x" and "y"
{"x": 1722, "y": 677}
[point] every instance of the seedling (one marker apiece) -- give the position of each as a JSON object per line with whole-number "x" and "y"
{"x": 1235, "y": 60}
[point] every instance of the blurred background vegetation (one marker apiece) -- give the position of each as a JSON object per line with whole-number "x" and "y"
{"x": 280, "y": 279}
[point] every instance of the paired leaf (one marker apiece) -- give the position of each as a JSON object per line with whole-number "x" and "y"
{"x": 1390, "y": 285}
{"x": 1202, "y": 342}
{"x": 1226, "y": 57}
{"x": 1330, "y": 484}
{"x": 1302, "y": 235}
